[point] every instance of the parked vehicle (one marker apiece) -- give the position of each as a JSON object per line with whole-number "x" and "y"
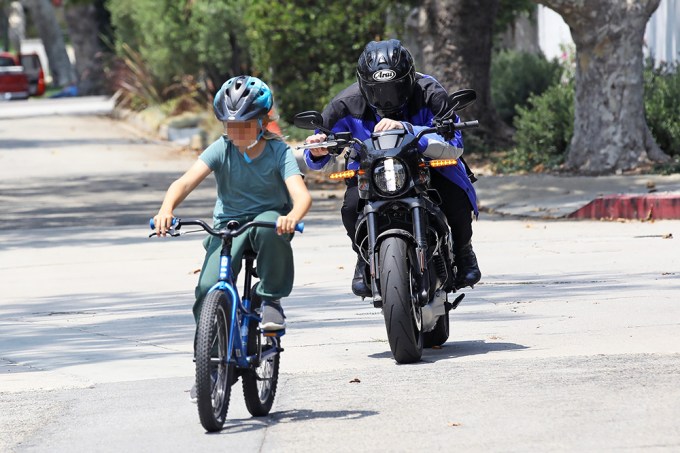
{"x": 34, "y": 72}
{"x": 13, "y": 79}
{"x": 402, "y": 234}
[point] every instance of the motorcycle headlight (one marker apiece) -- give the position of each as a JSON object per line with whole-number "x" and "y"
{"x": 389, "y": 176}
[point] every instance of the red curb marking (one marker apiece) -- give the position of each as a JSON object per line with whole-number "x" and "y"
{"x": 631, "y": 206}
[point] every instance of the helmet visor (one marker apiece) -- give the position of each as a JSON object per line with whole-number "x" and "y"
{"x": 388, "y": 96}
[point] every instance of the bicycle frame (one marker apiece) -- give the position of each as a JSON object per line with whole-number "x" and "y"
{"x": 240, "y": 309}
{"x": 215, "y": 375}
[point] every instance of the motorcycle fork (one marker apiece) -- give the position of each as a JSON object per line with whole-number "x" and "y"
{"x": 419, "y": 229}
{"x": 372, "y": 239}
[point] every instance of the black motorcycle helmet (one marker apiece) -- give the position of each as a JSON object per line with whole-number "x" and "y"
{"x": 386, "y": 76}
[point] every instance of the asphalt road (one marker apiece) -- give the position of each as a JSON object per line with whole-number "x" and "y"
{"x": 571, "y": 342}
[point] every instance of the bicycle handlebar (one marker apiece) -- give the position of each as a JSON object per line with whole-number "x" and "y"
{"x": 177, "y": 224}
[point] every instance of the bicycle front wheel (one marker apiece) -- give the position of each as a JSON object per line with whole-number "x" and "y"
{"x": 259, "y": 382}
{"x": 214, "y": 376}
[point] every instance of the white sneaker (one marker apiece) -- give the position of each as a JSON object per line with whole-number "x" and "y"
{"x": 273, "y": 318}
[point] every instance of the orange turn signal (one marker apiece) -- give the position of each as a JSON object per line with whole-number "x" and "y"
{"x": 442, "y": 162}
{"x": 343, "y": 174}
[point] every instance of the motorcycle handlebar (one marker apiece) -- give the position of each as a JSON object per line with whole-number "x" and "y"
{"x": 336, "y": 145}
{"x": 333, "y": 146}
{"x": 466, "y": 125}
{"x": 447, "y": 127}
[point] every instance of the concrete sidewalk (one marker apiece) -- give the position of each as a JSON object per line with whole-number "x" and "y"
{"x": 550, "y": 197}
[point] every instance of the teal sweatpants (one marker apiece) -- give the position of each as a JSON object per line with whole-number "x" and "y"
{"x": 274, "y": 261}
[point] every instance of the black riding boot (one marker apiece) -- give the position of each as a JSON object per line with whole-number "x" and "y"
{"x": 359, "y": 286}
{"x": 468, "y": 273}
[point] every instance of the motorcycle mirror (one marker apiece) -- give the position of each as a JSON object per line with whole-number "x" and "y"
{"x": 309, "y": 120}
{"x": 462, "y": 99}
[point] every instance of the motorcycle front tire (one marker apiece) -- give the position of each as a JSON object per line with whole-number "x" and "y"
{"x": 402, "y": 317}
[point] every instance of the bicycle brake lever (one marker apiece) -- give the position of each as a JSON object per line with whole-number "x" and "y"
{"x": 172, "y": 233}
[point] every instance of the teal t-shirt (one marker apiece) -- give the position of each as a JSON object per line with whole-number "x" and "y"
{"x": 248, "y": 189}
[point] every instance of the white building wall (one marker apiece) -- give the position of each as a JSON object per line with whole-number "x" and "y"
{"x": 553, "y": 32}
{"x": 662, "y": 36}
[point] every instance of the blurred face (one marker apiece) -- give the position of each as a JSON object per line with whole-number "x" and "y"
{"x": 242, "y": 133}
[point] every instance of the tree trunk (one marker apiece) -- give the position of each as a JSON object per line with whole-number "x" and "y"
{"x": 610, "y": 130}
{"x": 16, "y": 26}
{"x": 83, "y": 31}
{"x": 42, "y": 13}
{"x": 453, "y": 41}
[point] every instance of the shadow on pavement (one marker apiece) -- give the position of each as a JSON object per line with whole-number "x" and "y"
{"x": 456, "y": 349}
{"x": 118, "y": 200}
{"x": 18, "y": 145}
{"x": 292, "y": 416}
{"x": 62, "y": 331}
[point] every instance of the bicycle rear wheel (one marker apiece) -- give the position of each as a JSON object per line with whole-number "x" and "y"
{"x": 214, "y": 376}
{"x": 259, "y": 382}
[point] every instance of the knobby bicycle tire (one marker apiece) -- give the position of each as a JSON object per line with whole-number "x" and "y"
{"x": 259, "y": 383}
{"x": 214, "y": 377}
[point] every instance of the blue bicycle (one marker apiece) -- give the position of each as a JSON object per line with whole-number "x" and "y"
{"x": 229, "y": 342}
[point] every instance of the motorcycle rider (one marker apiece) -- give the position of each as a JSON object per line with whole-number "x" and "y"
{"x": 390, "y": 94}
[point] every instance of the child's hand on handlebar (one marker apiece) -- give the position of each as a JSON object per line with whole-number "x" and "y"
{"x": 163, "y": 223}
{"x": 317, "y": 138}
{"x": 286, "y": 224}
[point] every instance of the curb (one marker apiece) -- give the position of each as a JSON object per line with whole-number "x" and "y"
{"x": 631, "y": 206}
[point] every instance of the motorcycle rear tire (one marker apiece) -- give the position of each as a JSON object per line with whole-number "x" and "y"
{"x": 438, "y": 335}
{"x": 403, "y": 327}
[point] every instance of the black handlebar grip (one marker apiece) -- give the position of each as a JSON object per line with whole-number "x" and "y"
{"x": 467, "y": 125}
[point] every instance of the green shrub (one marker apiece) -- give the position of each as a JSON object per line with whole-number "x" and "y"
{"x": 517, "y": 75}
{"x": 305, "y": 48}
{"x": 179, "y": 38}
{"x": 544, "y": 129}
{"x": 662, "y": 109}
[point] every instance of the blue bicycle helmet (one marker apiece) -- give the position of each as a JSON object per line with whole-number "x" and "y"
{"x": 243, "y": 98}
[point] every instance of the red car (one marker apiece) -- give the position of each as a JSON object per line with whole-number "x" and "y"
{"x": 13, "y": 78}
{"x": 34, "y": 72}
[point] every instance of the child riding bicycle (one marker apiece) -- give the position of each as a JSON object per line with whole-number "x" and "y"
{"x": 257, "y": 178}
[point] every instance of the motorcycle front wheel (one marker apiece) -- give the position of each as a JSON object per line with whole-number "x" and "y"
{"x": 400, "y": 308}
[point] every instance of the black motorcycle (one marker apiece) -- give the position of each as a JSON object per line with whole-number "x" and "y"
{"x": 402, "y": 234}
